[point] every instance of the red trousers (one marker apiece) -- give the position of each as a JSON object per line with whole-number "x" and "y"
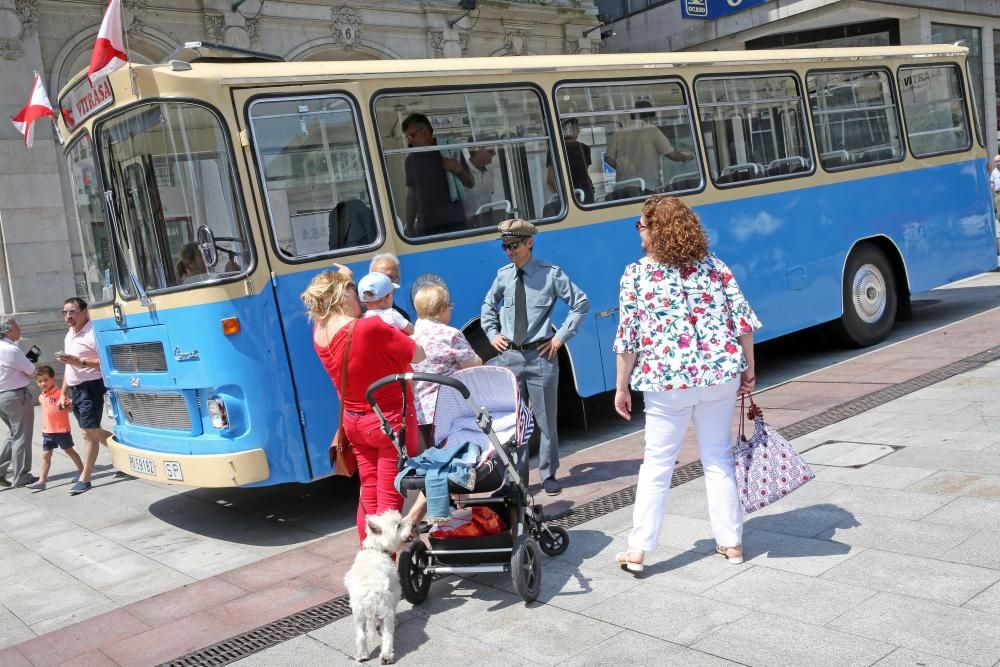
{"x": 377, "y": 461}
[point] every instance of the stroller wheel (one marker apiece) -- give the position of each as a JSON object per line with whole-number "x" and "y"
{"x": 526, "y": 568}
{"x": 553, "y": 540}
{"x": 414, "y": 580}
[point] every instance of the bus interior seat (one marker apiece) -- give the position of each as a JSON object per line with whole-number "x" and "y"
{"x": 686, "y": 181}
{"x": 351, "y": 224}
{"x": 743, "y": 171}
{"x": 877, "y": 154}
{"x": 835, "y": 159}
{"x": 787, "y": 165}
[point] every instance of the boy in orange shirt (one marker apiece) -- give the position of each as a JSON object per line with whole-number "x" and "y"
{"x": 55, "y": 425}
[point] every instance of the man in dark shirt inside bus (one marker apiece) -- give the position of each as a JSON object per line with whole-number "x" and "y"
{"x": 434, "y": 183}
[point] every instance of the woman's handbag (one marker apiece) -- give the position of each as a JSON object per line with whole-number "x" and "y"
{"x": 767, "y": 467}
{"x": 342, "y": 457}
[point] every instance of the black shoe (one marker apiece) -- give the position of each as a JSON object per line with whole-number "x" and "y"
{"x": 30, "y": 479}
{"x": 5, "y": 483}
{"x": 551, "y": 487}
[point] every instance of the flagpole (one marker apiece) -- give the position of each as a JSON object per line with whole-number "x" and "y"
{"x": 128, "y": 54}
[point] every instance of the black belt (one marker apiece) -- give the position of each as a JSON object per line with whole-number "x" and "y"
{"x": 527, "y": 346}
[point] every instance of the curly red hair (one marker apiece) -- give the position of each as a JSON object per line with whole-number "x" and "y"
{"x": 676, "y": 237}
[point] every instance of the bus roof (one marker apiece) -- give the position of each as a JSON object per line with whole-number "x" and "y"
{"x": 236, "y": 72}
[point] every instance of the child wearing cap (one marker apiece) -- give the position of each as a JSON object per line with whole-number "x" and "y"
{"x": 375, "y": 291}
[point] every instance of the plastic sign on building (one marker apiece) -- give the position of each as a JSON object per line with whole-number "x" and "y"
{"x": 713, "y": 9}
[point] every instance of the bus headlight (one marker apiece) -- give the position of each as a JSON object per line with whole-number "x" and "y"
{"x": 217, "y": 412}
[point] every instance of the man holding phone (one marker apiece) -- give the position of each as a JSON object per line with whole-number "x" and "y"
{"x": 17, "y": 407}
{"x": 83, "y": 385}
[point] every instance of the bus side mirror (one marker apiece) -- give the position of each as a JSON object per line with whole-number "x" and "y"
{"x": 206, "y": 243}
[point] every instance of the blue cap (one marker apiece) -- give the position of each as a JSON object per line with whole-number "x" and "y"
{"x": 374, "y": 286}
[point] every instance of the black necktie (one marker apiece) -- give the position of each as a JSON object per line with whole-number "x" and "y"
{"x": 520, "y": 310}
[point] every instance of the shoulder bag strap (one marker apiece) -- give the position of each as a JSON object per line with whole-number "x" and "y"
{"x": 343, "y": 370}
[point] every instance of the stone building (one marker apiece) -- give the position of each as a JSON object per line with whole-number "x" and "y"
{"x": 40, "y": 262}
{"x": 657, "y": 25}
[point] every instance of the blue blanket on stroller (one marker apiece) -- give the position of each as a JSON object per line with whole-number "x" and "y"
{"x": 438, "y": 465}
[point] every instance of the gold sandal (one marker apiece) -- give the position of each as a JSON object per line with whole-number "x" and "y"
{"x": 735, "y": 559}
{"x": 627, "y": 563}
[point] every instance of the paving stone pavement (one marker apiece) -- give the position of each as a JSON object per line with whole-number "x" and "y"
{"x": 893, "y": 562}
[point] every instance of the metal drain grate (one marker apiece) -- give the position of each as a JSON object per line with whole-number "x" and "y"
{"x": 266, "y": 636}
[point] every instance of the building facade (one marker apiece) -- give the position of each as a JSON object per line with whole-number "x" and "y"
{"x": 658, "y": 25}
{"x": 40, "y": 260}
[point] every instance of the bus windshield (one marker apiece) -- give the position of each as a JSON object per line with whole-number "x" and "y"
{"x": 90, "y": 217}
{"x": 169, "y": 166}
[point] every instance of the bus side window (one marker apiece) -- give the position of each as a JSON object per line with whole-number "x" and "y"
{"x": 461, "y": 161}
{"x": 625, "y": 141}
{"x": 753, "y": 128}
{"x": 855, "y": 119}
{"x": 315, "y": 174}
{"x": 934, "y": 109}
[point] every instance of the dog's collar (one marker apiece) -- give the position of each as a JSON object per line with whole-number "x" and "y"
{"x": 387, "y": 553}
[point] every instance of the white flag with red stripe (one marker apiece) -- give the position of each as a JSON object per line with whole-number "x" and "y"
{"x": 38, "y": 106}
{"x": 109, "y": 50}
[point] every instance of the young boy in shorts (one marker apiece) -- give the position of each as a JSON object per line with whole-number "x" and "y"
{"x": 55, "y": 426}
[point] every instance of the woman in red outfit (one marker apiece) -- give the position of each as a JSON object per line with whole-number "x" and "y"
{"x": 377, "y": 349}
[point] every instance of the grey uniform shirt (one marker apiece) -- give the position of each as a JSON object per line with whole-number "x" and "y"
{"x": 543, "y": 284}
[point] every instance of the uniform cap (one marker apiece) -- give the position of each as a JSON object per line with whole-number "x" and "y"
{"x": 374, "y": 286}
{"x": 516, "y": 227}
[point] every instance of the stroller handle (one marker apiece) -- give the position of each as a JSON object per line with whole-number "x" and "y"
{"x": 419, "y": 377}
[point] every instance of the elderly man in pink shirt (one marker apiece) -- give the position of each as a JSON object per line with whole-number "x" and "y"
{"x": 83, "y": 385}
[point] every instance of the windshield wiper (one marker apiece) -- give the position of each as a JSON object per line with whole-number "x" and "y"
{"x": 109, "y": 198}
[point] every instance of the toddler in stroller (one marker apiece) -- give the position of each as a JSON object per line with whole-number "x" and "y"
{"x": 479, "y": 418}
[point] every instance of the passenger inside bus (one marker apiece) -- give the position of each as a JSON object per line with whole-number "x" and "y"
{"x": 351, "y": 225}
{"x": 634, "y": 153}
{"x": 578, "y": 157}
{"x": 191, "y": 265}
{"x": 435, "y": 183}
{"x": 485, "y": 203}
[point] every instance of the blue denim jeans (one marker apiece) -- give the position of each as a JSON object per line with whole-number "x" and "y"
{"x": 456, "y": 463}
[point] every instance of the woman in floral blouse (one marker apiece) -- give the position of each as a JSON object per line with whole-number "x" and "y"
{"x": 686, "y": 341}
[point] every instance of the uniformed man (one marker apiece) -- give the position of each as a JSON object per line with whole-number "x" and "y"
{"x": 516, "y": 316}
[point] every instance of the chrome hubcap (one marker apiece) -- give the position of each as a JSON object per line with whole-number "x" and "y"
{"x": 869, "y": 293}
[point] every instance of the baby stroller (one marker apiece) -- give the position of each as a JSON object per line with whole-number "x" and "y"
{"x": 479, "y": 405}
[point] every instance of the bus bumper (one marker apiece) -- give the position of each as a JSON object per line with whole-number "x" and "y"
{"x": 202, "y": 470}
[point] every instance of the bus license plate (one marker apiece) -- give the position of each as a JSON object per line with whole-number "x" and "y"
{"x": 142, "y": 465}
{"x": 173, "y": 471}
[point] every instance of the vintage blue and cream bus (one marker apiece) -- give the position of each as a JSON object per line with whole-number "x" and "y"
{"x": 211, "y": 188}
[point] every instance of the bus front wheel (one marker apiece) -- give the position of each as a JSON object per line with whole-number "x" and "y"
{"x": 870, "y": 298}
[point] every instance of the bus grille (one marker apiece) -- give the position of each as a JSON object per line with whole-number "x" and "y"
{"x": 138, "y": 358}
{"x": 155, "y": 410}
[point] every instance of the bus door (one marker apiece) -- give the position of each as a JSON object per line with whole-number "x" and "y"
{"x": 317, "y": 207}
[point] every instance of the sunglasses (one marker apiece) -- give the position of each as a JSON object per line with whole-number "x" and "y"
{"x": 639, "y": 226}
{"x": 507, "y": 247}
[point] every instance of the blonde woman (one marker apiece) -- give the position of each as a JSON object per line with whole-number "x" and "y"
{"x": 376, "y": 350}
{"x": 685, "y": 339}
{"x": 447, "y": 349}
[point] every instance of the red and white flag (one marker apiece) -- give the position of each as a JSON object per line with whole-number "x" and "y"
{"x": 37, "y": 107}
{"x": 109, "y": 50}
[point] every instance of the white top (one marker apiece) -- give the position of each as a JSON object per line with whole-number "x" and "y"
{"x": 636, "y": 150}
{"x": 389, "y": 315}
{"x": 483, "y": 190}
{"x": 15, "y": 369}
{"x": 995, "y": 179}
{"x": 81, "y": 344}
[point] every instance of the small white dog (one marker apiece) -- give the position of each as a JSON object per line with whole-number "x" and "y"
{"x": 373, "y": 583}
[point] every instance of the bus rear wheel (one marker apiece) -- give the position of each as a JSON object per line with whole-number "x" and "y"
{"x": 870, "y": 297}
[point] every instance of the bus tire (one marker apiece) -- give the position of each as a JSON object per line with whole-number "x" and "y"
{"x": 870, "y": 297}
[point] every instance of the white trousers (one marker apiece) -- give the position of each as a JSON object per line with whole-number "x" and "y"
{"x": 668, "y": 414}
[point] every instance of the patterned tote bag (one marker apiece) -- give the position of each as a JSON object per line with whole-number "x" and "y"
{"x": 767, "y": 467}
